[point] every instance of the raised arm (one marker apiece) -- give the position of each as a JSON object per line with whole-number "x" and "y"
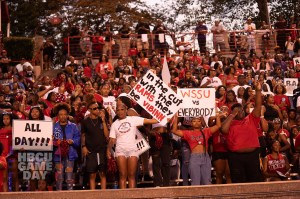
{"x": 218, "y": 124}
{"x": 258, "y": 100}
{"x": 226, "y": 124}
{"x": 175, "y": 127}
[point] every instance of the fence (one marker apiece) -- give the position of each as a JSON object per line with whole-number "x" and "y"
{"x": 94, "y": 46}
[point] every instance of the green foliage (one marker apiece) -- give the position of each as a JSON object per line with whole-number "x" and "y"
{"x": 19, "y": 47}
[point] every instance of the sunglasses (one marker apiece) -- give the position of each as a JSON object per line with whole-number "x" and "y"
{"x": 96, "y": 108}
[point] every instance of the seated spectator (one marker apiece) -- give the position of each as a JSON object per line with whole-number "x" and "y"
{"x": 276, "y": 166}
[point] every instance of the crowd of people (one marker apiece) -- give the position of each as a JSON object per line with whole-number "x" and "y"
{"x": 253, "y": 137}
{"x": 125, "y": 40}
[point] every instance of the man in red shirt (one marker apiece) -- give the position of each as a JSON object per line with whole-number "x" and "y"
{"x": 242, "y": 141}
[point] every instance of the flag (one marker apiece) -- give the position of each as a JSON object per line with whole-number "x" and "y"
{"x": 166, "y": 76}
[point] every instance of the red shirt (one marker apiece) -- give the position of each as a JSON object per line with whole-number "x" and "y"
{"x": 195, "y": 138}
{"x": 282, "y": 98}
{"x": 219, "y": 142}
{"x": 6, "y": 139}
{"x": 4, "y": 167}
{"x": 243, "y": 133}
{"x": 132, "y": 52}
{"x": 275, "y": 165}
{"x": 87, "y": 71}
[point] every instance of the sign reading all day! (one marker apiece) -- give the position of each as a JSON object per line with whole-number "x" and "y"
{"x": 156, "y": 97}
{"x": 291, "y": 84}
{"x": 32, "y": 135}
{"x": 197, "y": 102}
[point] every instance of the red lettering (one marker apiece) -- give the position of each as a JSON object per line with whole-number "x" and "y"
{"x": 206, "y": 93}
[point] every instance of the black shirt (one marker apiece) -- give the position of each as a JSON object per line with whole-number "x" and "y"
{"x": 95, "y": 140}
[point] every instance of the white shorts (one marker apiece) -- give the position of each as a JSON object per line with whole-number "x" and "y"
{"x": 126, "y": 153}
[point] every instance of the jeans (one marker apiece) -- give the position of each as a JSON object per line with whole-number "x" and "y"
{"x": 245, "y": 167}
{"x": 200, "y": 168}
{"x": 185, "y": 154}
{"x": 64, "y": 168}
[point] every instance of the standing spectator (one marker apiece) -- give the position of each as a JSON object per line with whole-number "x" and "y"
{"x": 219, "y": 36}
{"x": 250, "y": 30}
{"x": 201, "y": 31}
{"x": 141, "y": 28}
{"x": 6, "y": 140}
{"x": 94, "y": 133}
{"x": 4, "y": 62}
{"x": 122, "y": 133}
{"x": 108, "y": 39}
{"x": 197, "y": 138}
{"x": 280, "y": 27}
{"x": 124, "y": 33}
{"x": 160, "y": 42}
{"x": 3, "y": 168}
{"x": 289, "y": 45}
{"x": 160, "y": 142}
{"x": 266, "y": 37}
{"x": 85, "y": 41}
{"x": 242, "y": 141}
{"x": 66, "y": 141}
{"x": 48, "y": 54}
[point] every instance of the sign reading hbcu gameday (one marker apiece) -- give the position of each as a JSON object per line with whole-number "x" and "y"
{"x": 156, "y": 97}
{"x": 32, "y": 135}
{"x": 197, "y": 102}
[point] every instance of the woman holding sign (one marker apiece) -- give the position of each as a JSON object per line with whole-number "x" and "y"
{"x": 122, "y": 133}
{"x": 200, "y": 162}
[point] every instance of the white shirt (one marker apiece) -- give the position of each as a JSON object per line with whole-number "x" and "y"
{"x": 215, "y": 82}
{"x": 110, "y": 102}
{"x": 251, "y": 26}
{"x": 236, "y": 88}
{"x": 212, "y": 64}
{"x": 124, "y": 132}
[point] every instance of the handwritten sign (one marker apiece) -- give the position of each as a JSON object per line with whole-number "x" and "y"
{"x": 156, "y": 97}
{"x": 141, "y": 144}
{"x": 296, "y": 60}
{"x": 197, "y": 102}
{"x": 32, "y": 135}
{"x": 291, "y": 84}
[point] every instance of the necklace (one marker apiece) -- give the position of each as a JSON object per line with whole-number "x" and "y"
{"x": 94, "y": 123}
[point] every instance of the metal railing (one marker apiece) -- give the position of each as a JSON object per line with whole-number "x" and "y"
{"x": 265, "y": 40}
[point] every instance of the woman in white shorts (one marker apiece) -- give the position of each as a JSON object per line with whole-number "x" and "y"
{"x": 122, "y": 133}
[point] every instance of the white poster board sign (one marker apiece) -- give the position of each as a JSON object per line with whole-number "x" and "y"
{"x": 291, "y": 84}
{"x": 197, "y": 102}
{"x": 33, "y": 135}
{"x": 156, "y": 97}
{"x": 296, "y": 60}
{"x": 141, "y": 144}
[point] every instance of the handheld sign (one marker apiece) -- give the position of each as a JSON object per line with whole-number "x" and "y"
{"x": 296, "y": 60}
{"x": 156, "y": 97}
{"x": 291, "y": 84}
{"x": 32, "y": 135}
{"x": 197, "y": 102}
{"x": 141, "y": 144}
